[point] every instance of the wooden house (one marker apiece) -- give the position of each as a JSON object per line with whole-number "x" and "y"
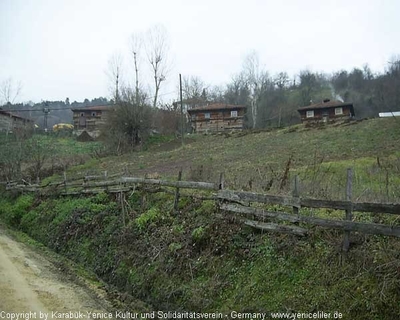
{"x": 90, "y": 119}
{"x": 10, "y": 122}
{"x": 326, "y": 111}
{"x": 217, "y": 117}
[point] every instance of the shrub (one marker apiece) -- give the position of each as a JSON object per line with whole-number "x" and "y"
{"x": 198, "y": 234}
{"x": 13, "y": 214}
{"x": 151, "y": 215}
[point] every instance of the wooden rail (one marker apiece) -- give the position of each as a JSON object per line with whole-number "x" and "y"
{"x": 298, "y": 202}
{"x": 370, "y": 228}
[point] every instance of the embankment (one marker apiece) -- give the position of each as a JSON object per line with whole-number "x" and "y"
{"x": 201, "y": 259}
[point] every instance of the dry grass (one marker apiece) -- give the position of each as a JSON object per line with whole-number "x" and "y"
{"x": 259, "y": 161}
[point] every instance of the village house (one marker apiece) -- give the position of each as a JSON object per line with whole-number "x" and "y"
{"x": 10, "y": 122}
{"x": 90, "y": 119}
{"x": 326, "y": 111}
{"x": 217, "y": 117}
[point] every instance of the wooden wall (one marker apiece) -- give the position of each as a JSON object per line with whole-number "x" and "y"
{"x": 319, "y": 114}
{"x": 220, "y": 120}
{"x": 8, "y": 123}
{"x": 89, "y": 120}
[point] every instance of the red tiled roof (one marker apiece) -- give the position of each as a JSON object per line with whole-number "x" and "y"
{"x": 328, "y": 104}
{"x": 93, "y": 108}
{"x": 217, "y": 106}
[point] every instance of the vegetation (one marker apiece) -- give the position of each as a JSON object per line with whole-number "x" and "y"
{"x": 273, "y": 100}
{"x": 258, "y": 160}
{"x": 35, "y": 156}
{"x": 201, "y": 259}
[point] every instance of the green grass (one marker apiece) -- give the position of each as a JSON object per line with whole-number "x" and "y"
{"x": 257, "y": 161}
{"x": 67, "y": 146}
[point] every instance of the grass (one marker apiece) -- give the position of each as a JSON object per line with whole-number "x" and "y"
{"x": 67, "y": 146}
{"x": 257, "y": 161}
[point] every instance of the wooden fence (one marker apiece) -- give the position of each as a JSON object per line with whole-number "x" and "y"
{"x": 237, "y": 202}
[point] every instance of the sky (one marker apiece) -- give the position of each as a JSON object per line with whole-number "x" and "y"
{"x": 61, "y": 48}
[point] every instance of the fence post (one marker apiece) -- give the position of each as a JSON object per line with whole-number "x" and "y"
{"x": 105, "y": 179}
{"x": 349, "y": 215}
{"x": 65, "y": 182}
{"x": 123, "y": 208}
{"x": 221, "y": 185}
{"x": 296, "y": 192}
{"x": 176, "y": 202}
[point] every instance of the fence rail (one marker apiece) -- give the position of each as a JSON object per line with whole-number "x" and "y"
{"x": 237, "y": 202}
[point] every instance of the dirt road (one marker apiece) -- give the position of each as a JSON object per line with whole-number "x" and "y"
{"x": 29, "y": 282}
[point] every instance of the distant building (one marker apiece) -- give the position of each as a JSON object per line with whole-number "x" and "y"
{"x": 326, "y": 111}
{"x": 10, "y": 122}
{"x": 217, "y": 117}
{"x": 90, "y": 119}
{"x": 389, "y": 114}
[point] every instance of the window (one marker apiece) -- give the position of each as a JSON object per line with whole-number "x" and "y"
{"x": 82, "y": 114}
{"x": 193, "y": 117}
{"x": 310, "y": 114}
{"x": 234, "y": 114}
{"x": 338, "y": 111}
{"x": 207, "y": 115}
{"x": 93, "y": 114}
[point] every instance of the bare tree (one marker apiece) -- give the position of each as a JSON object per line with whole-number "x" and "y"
{"x": 9, "y": 91}
{"x": 157, "y": 47}
{"x": 136, "y": 48}
{"x": 194, "y": 87}
{"x": 129, "y": 124}
{"x": 115, "y": 66}
{"x": 257, "y": 78}
{"x": 281, "y": 80}
{"x": 237, "y": 91}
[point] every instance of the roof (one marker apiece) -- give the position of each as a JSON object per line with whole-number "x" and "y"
{"x": 217, "y": 106}
{"x": 326, "y": 104}
{"x": 93, "y": 108}
{"x": 9, "y": 114}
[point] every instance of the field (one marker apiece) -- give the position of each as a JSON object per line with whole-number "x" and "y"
{"x": 258, "y": 160}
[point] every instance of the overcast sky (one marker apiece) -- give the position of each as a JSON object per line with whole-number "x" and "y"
{"x": 61, "y": 48}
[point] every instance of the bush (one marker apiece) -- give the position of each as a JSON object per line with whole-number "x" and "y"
{"x": 13, "y": 213}
{"x": 148, "y": 217}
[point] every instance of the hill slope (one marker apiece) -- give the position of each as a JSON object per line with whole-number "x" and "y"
{"x": 258, "y": 161}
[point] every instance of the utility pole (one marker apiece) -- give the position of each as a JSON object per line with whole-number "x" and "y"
{"x": 180, "y": 92}
{"x": 46, "y": 113}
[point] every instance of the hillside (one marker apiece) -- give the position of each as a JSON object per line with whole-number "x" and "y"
{"x": 200, "y": 258}
{"x": 258, "y": 160}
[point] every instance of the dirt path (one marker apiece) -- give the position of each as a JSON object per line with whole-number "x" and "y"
{"x": 29, "y": 282}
